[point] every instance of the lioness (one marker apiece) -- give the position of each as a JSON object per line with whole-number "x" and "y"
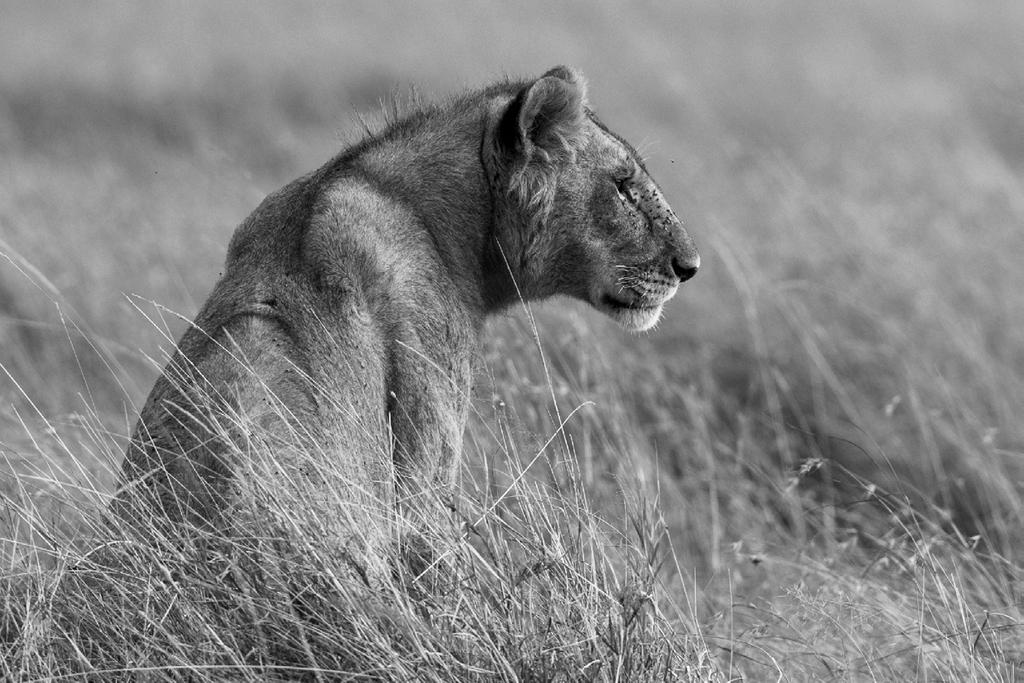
{"x": 353, "y": 299}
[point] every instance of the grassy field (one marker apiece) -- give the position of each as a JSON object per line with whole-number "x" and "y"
{"x": 812, "y": 469}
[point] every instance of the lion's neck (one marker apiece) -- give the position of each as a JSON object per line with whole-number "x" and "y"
{"x": 440, "y": 179}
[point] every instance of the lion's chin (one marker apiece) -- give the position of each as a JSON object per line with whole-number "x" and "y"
{"x": 633, "y": 317}
{"x": 638, "y": 319}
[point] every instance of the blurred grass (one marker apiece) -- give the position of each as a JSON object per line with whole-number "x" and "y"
{"x": 829, "y": 416}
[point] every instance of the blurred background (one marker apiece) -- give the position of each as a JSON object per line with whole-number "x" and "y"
{"x": 840, "y": 387}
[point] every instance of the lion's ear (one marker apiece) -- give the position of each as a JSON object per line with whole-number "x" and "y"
{"x": 547, "y": 114}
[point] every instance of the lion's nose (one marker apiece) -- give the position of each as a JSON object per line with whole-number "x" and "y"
{"x": 685, "y": 268}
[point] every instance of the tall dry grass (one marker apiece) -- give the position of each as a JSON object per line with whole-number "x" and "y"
{"x": 516, "y": 581}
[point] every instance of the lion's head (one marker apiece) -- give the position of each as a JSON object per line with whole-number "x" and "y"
{"x": 578, "y": 213}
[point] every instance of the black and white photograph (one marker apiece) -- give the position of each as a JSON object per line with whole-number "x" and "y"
{"x": 526, "y": 341}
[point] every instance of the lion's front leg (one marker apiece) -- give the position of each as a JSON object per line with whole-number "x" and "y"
{"x": 427, "y": 423}
{"x": 427, "y": 418}
{"x": 427, "y": 409}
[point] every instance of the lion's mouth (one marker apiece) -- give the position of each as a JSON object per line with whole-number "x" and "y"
{"x": 618, "y": 304}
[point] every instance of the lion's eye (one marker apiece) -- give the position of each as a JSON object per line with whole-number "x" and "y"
{"x": 622, "y": 186}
